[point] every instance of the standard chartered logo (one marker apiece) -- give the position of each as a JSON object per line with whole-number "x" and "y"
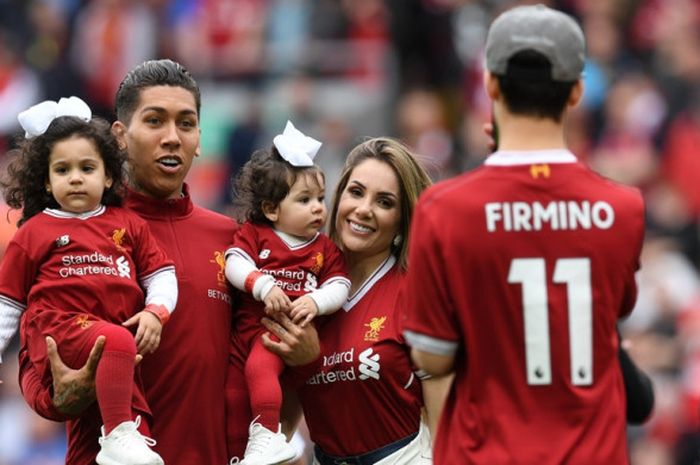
{"x": 123, "y": 267}
{"x": 344, "y": 366}
{"x": 369, "y": 364}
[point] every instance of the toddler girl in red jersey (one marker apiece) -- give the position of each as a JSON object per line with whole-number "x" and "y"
{"x": 283, "y": 264}
{"x": 78, "y": 266}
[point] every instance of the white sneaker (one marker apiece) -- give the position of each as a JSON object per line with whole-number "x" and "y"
{"x": 124, "y": 445}
{"x": 267, "y": 448}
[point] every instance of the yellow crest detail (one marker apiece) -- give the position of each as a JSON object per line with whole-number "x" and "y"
{"x": 540, "y": 170}
{"x": 318, "y": 263}
{"x": 220, "y": 260}
{"x": 83, "y": 321}
{"x": 375, "y": 325}
{"x": 118, "y": 238}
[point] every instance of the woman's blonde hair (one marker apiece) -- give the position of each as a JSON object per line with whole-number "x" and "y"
{"x": 412, "y": 178}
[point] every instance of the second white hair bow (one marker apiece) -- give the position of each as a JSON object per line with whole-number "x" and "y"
{"x": 36, "y": 119}
{"x": 295, "y": 147}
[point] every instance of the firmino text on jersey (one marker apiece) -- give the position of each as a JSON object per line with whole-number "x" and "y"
{"x": 558, "y": 215}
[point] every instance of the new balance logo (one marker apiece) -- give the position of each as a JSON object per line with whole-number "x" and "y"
{"x": 369, "y": 364}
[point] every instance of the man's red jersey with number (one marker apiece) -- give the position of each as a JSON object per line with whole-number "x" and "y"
{"x": 521, "y": 270}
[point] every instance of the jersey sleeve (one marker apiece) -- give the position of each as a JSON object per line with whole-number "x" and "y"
{"x": 17, "y": 273}
{"x": 429, "y": 321}
{"x": 636, "y": 241}
{"x": 245, "y": 243}
{"x": 148, "y": 256}
{"x": 334, "y": 268}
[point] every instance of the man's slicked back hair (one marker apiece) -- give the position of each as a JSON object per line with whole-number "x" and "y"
{"x": 150, "y": 74}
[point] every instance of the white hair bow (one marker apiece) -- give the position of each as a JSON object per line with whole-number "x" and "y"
{"x": 295, "y": 147}
{"x": 36, "y": 119}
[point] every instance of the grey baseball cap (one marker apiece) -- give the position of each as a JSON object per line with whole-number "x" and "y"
{"x": 552, "y": 33}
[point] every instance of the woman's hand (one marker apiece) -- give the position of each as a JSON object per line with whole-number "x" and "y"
{"x": 297, "y": 346}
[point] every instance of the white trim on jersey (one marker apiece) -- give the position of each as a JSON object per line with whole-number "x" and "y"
{"x": 10, "y": 314}
{"x": 369, "y": 282}
{"x": 80, "y": 216}
{"x": 292, "y": 242}
{"x": 161, "y": 288}
{"x": 331, "y": 295}
{"x": 430, "y": 344}
{"x": 240, "y": 253}
{"x": 529, "y": 157}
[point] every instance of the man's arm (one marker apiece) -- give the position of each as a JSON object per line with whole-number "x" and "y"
{"x": 433, "y": 364}
{"x": 435, "y": 390}
{"x": 638, "y": 390}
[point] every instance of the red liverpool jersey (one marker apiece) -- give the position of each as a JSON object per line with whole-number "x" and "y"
{"x": 184, "y": 379}
{"x": 89, "y": 263}
{"x": 366, "y": 378}
{"x": 298, "y": 270}
{"x": 69, "y": 269}
{"x": 521, "y": 270}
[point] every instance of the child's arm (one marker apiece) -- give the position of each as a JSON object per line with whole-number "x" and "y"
{"x": 161, "y": 298}
{"x": 327, "y": 299}
{"x": 246, "y": 277}
{"x": 10, "y": 313}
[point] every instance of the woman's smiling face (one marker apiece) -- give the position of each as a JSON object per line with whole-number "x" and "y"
{"x": 369, "y": 212}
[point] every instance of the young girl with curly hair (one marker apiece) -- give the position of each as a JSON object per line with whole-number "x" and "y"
{"x": 80, "y": 267}
{"x": 282, "y": 263}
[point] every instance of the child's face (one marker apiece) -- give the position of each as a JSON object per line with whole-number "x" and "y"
{"x": 302, "y": 212}
{"x": 77, "y": 176}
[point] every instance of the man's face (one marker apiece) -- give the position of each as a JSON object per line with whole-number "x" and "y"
{"x": 162, "y": 139}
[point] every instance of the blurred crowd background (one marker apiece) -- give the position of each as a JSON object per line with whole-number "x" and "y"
{"x": 343, "y": 70}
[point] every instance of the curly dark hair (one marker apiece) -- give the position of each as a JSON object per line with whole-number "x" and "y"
{"x": 24, "y": 185}
{"x": 266, "y": 177}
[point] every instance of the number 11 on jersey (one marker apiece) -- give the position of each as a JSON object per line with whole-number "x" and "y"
{"x": 531, "y": 273}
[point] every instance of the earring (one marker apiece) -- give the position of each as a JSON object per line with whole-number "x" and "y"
{"x": 397, "y": 240}
{"x": 48, "y": 189}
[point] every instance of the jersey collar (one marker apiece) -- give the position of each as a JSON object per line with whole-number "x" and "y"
{"x": 369, "y": 283}
{"x": 150, "y": 207}
{"x": 530, "y": 157}
{"x": 293, "y": 242}
{"x": 80, "y": 216}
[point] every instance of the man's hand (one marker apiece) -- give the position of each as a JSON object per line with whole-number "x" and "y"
{"x": 297, "y": 346}
{"x": 73, "y": 390}
{"x": 148, "y": 331}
